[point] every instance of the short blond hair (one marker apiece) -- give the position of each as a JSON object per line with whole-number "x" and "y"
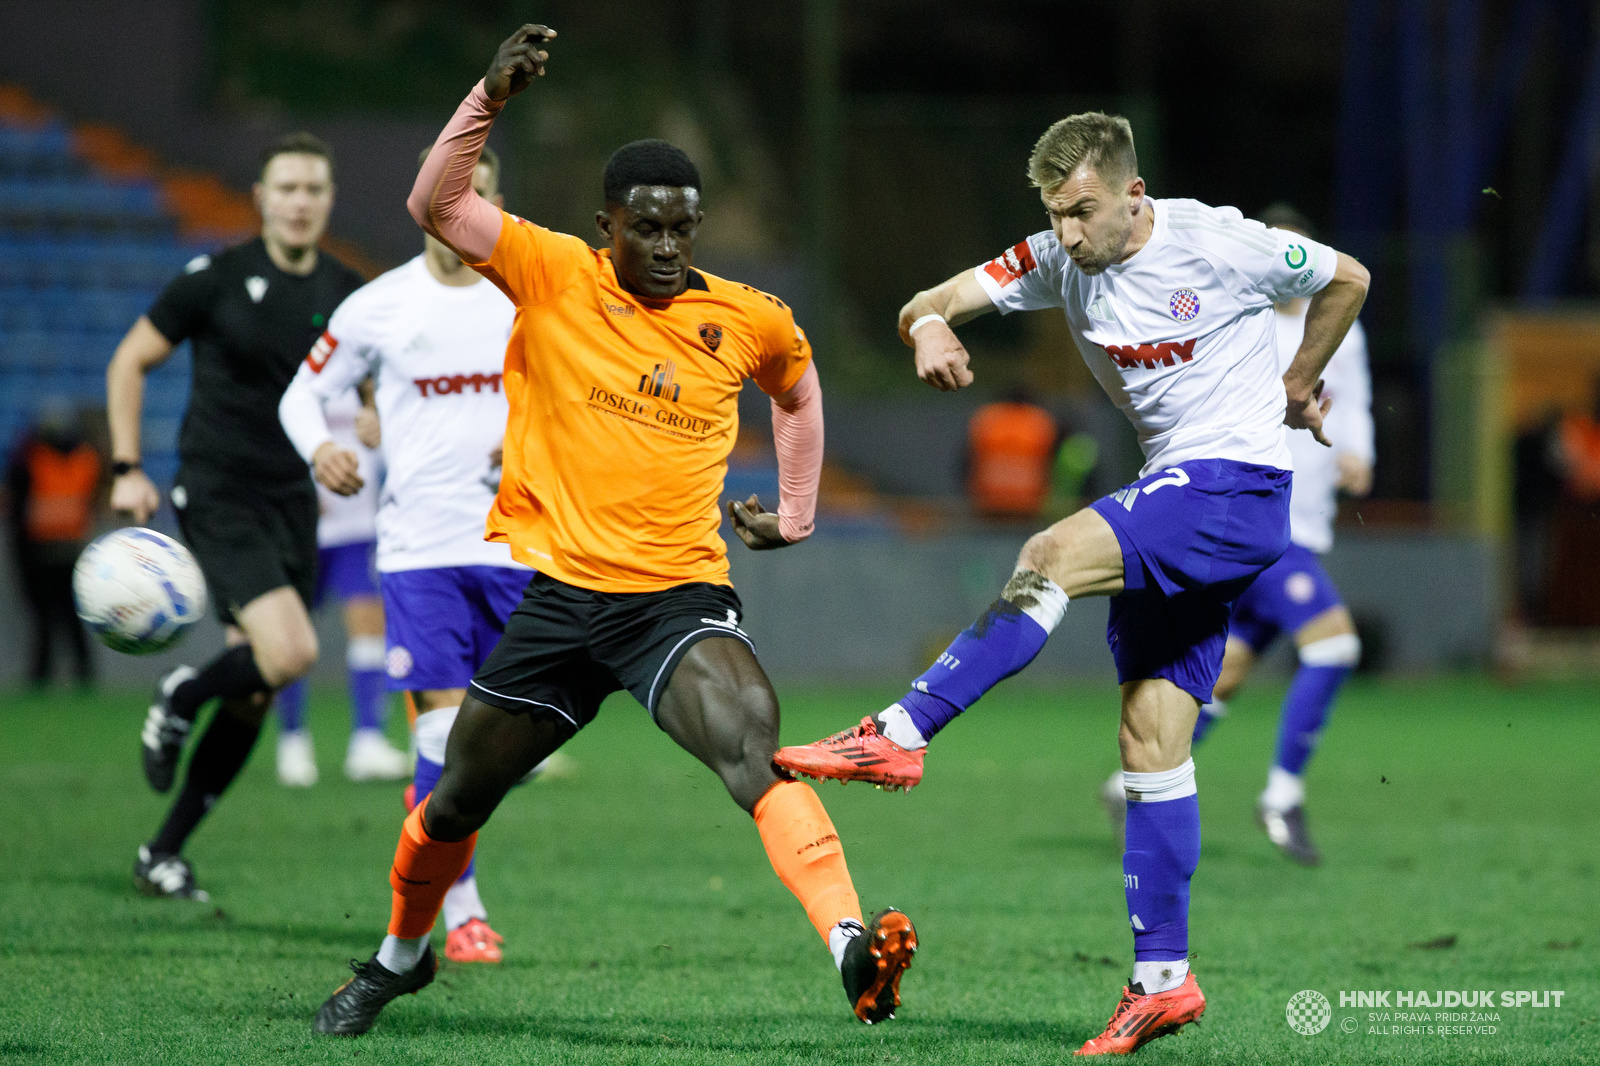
{"x": 1102, "y": 142}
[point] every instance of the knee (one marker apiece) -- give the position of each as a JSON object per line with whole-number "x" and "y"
{"x": 287, "y": 656}
{"x": 1040, "y": 553}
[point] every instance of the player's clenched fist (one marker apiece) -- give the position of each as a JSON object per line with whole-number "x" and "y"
{"x": 337, "y": 468}
{"x": 1308, "y": 414}
{"x": 941, "y": 358}
{"x": 518, "y": 61}
{"x": 756, "y": 526}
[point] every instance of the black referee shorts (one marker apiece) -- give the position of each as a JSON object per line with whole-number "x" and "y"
{"x": 249, "y": 537}
{"x": 566, "y": 649}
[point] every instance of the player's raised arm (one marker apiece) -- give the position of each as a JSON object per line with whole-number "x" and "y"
{"x": 927, "y": 324}
{"x": 442, "y": 199}
{"x": 1333, "y": 309}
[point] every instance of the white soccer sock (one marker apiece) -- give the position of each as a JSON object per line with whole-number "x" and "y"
{"x": 1116, "y": 786}
{"x": 1343, "y": 649}
{"x": 1160, "y": 786}
{"x": 401, "y": 956}
{"x": 839, "y": 937}
{"x": 1284, "y": 791}
{"x": 432, "y": 733}
{"x": 1216, "y": 708}
{"x": 1040, "y": 599}
{"x": 365, "y": 653}
{"x": 1160, "y": 976}
{"x": 462, "y": 904}
{"x": 898, "y": 727}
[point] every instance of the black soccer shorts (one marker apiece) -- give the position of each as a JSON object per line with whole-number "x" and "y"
{"x": 249, "y": 537}
{"x": 566, "y": 649}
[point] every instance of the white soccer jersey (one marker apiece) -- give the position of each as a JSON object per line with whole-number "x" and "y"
{"x": 1181, "y": 335}
{"x": 348, "y": 519}
{"x": 1348, "y": 425}
{"x": 437, "y": 353}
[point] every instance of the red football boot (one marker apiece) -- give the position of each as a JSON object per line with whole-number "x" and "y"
{"x": 410, "y": 797}
{"x": 1141, "y": 1018}
{"x": 473, "y": 941}
{"x": 858, "y": 754}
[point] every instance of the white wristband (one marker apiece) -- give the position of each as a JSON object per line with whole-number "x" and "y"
{"x": 923, "y": 321}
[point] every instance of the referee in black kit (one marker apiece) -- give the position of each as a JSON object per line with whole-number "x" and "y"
{"x": 244, "y": 497}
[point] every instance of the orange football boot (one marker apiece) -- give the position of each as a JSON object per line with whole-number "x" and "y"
{"x": 473, "y": 941}
{"x": 858, "y": 754}
{"x": 1141, "y": 1018}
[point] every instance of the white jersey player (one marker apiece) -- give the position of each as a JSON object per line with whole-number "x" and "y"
{"x": 432, "y": 334}
{"x": 346, "y": 550}
{"x": 1170, "y": 303}
{"x": 1295, "y": 596}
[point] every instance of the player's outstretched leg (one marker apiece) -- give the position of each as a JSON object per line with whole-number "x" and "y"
{"x": 1162, "y": 852}
{"x": 1077, "y": 556}
{"x": 720, "y": 707}
{"x": 488, "y": 752}
{"x": 1325, "y": 663}
{"x": 468, "y": 936}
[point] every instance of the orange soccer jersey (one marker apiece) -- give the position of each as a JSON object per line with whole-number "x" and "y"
{"x": 623, "y": 411}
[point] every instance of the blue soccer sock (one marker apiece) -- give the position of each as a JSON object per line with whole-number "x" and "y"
{"x": 1324, "y": 665}
{"x": 1210, "y": 714}
{"x": 1163, "y": 849}
{"x": 1001, "y": 642}
{"x": 369, "y": 690}
{"x": 291, "y": 702}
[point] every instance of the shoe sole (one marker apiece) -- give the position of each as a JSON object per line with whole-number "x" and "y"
{"x": 806, "y": 767}
{"x": 894, "y": 942}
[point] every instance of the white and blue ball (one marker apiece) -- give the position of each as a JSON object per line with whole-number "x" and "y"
{"x": 139, "y": 590}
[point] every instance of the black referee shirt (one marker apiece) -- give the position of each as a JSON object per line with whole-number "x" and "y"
{"x": 251, "y": 325}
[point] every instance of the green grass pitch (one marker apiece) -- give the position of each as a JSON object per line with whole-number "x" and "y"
{"x": 644, "y": 925}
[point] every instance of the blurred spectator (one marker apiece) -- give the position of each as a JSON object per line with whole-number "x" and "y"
{"x": 1011, "y": 448}
{"x": 1574, "y": 588}
{"x": 1537, "y": 493}
{"x": 54, "y": 480}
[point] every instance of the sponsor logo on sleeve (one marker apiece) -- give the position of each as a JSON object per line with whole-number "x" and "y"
{"x": 1015, "y": 262}
{"x": 1295, "y": 256}
{"x": 322, "y": 351}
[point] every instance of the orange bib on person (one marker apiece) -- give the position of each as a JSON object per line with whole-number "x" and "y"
{"x": 623, "y": 411}
{"x": 1011, "y": 446}
{"x": 61, "y": 487}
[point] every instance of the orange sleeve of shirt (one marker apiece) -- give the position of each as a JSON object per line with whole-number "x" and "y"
{"x": 531, "y": 264}
{"x": 785, "y": 351}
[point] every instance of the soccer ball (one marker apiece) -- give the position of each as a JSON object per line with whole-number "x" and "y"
{"x": 139, "y": 590}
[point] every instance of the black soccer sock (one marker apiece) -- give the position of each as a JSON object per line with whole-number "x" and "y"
{"x": 233, "y": 673}
{"x": 217, "y": 760}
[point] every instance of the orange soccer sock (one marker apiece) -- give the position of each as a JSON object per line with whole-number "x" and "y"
{"x": 806, "y": 853}
{"x": 424, "y": 869}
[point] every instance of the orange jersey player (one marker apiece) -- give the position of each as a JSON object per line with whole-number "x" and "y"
{"x": 623, "y": 374}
